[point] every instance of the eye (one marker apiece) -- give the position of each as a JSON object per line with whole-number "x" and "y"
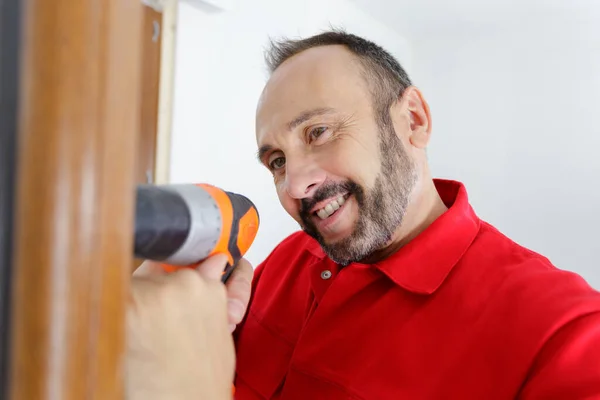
{"x": 315, "y": 133}
{"x": 277, "y": 163}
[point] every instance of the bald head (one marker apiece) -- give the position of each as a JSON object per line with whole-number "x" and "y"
{"x": 318, "y": 78}
{"x": 386, "y": 78}
{"x": 323, "y": 60}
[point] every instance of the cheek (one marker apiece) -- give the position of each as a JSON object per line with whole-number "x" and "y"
{"x": 353, "y": 159}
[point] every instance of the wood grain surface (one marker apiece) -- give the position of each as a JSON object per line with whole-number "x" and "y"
{"x": 79, "y": 124}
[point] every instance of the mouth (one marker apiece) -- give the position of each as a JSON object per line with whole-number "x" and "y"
{"x": 330, "y": 207}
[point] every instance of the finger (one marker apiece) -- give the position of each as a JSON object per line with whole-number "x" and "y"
{"x": 148, "y": 269}
{"x": 212, "y": 268}
{"x": 239, "y": 288}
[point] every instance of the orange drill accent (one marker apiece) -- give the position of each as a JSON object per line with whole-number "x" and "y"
{"x": 169, "y": 268}
{"x": 248, "y": 228}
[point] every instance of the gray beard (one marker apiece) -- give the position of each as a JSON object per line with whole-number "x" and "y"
{"x": 381, "y": 208}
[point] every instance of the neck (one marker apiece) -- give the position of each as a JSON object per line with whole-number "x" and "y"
{"x": 424, "y": 208}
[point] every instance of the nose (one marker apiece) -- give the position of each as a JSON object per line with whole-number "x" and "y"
{"x": 303, "y": 178}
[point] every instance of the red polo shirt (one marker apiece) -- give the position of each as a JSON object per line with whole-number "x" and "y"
{"x": 461, "y": 312}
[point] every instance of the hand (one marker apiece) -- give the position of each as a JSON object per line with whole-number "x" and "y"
{"x": 239, "y": 287}
{"x": 179, "y": 346}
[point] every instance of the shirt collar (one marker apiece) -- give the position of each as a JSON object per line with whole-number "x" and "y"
{"x": 422, "y": 265}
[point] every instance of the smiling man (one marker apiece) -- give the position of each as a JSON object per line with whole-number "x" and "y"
{"x": 394, "y": 288}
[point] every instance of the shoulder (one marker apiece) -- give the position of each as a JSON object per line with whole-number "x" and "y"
{"x": 524, "y": 288}
{"x": 518, "y": 299}
{"x": 517, "y": 265}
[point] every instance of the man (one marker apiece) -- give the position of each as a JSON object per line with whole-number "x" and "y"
{"x": 394, "y": 288}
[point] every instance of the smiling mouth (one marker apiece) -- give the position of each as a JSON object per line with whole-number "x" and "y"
{"x": 331, "y": 207}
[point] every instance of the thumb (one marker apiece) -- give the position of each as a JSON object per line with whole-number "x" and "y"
{"x": 212, "y": 268}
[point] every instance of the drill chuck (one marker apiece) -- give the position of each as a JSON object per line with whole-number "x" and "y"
{"x": 182, "y": 224}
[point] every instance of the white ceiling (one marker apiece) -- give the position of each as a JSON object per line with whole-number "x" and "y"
{"x": 421, "y": 18}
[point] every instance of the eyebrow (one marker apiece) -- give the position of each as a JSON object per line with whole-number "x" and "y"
{"x": 303, "y": 117}
{"x": 262, "y": 151}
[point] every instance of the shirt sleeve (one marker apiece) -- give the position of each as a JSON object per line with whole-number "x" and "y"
{"x": 568, "y": 366}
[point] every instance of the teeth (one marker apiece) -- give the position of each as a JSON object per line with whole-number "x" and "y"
{"x": 331, "y": 207}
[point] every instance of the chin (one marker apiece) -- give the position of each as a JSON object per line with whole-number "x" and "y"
{"x": 338, "y": 240}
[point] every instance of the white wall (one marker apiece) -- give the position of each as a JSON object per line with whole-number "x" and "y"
{"x": 516, "y": 117}
{"x": 219, "y": 76}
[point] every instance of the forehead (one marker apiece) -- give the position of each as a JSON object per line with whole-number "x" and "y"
{"x": 318, "y": 78}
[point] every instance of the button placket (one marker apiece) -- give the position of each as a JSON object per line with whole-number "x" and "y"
{"x": 323, "y": 275}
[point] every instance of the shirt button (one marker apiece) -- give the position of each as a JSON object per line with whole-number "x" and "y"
{"x": 326, "y": 274}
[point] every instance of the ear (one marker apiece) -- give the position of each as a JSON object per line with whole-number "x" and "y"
{"x": 419, "y": 117}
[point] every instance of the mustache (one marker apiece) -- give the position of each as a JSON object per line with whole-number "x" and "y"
{"x": 325, "y": 192}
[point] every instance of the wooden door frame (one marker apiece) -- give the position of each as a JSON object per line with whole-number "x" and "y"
{"x": 169, "y": 10}
{"x": 77, "y": 124}
{"x": 166, "y": 91}
{"x": 79, "y": 102}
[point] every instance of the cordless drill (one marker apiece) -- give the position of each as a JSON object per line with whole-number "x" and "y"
{"x": 179, "y": 225}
